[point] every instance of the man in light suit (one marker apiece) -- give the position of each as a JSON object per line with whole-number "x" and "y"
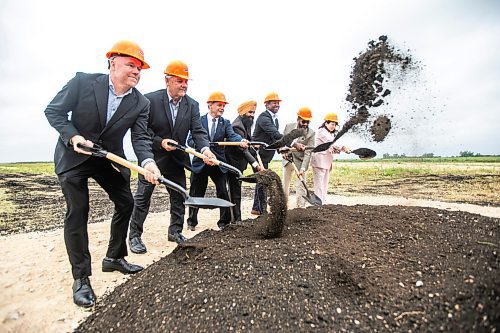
{"x": 266, "y": 130}
{"x": 103, "y": 108}
{"x": 218, "y": 129}
{"x": 172, "y": 116}
{"x": 301, "y": 157}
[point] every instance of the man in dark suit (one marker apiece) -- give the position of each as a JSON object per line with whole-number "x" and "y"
{"x": 240, "y": 157}
{"x": 218, "y": 129}
{"x": 266, "y": 130}
{"x": 103, "y": 107}
{"x": 172, "y": 116}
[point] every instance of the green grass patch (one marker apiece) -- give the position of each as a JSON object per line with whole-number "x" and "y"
{"x": 36, "y": 168}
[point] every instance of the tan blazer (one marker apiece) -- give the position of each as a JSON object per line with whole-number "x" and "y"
{"x": 324, "y": 159}
{"x": 301, "y": 159}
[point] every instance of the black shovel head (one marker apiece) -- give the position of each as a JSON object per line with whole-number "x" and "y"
{"x": 322, "y": 147}
{"x": 313, "y": 199}
{"x": 248, "y": 179}
{"x": 287, "y": 139}
{"x": 207, "y": 203}
{"x": 364, "y": 153}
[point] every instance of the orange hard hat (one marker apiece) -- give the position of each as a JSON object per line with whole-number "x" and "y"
{"x": 177, "y": 68}
{"x": 128, "y": 48}
{"x": 331, "y": 117}
{"x": 272, "y": 97}
{"x": 305, "y": 113}
{"x": 217, "y": 96}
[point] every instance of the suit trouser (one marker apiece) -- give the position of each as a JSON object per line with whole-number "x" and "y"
{"x": 142, "y": 201}
{"x": 259, "y": 196}
{"x": 199, "y": 183}
{"x": 321, "y": 178}
{"x": 235, "y": 191}
{"x": 74, "y": 184}
{"x": 300, "y": 191}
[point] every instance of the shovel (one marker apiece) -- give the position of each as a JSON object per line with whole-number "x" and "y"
{"x": 194, "y": 202}
{"x": 252, "y": 145}
{"x": 228, "y": 143}
{"x": 287, "y": 139}
{"x": 363, "y": 153}
{"x": 191, "y": 151}
{"x": 311, "y": 197}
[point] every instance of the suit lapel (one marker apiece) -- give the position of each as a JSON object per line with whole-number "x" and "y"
{"x": 168, "y": 112}
{"x": 127, "y": 103}
{"x": 181, "y": 114}
{"x": 101, "y": 91}
{"x": 204, "y": 123}
{"x": 219, "y": 135}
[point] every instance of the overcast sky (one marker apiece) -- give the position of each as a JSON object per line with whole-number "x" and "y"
{"x": 303, "y": 50}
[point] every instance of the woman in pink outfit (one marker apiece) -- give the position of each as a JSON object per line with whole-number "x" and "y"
{"x": 322, "y": 162}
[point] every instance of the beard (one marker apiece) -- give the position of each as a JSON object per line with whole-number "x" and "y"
{"x": 247, "y": 121}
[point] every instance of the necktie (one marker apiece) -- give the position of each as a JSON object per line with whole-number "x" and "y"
{"x": 173, "y": 110}
{"x": 276, "y": 123}
{"x": 212, "y": 131}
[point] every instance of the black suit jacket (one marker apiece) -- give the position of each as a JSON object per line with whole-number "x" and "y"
{"x": 237, "y": 156}
{"x": 224, "y": 132}
{"x": 161, "y": 127}
{"x": 266, "y": 131}
{"x": 86, "y": 97}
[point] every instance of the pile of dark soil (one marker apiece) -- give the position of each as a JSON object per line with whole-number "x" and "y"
{"x": 366, "y": 89}
{"x": 335, "y": 269}
{"x": 273, "y": 222}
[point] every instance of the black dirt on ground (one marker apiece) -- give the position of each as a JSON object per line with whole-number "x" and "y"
{"x": 335, "y": 269}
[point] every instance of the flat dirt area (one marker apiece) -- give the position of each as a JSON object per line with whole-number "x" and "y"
{"x": 365, "y": 262}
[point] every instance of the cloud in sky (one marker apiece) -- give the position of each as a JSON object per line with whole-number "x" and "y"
{"x": 302, "y": 50}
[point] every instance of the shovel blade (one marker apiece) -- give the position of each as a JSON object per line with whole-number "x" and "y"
{"x": 313, "y": 199}
{"x": 322, "y": 147}
{"x": 364, "y": 153}
{"x": 207, "y": 203}
{"x": 248, "y": 179}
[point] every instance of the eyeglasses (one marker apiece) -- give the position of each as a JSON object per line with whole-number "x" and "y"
{"x": 304, "y": 121}
{"x": 251, "y": 112}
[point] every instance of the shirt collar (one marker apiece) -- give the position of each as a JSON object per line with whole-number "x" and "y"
{"x": 272, "y": 114}
{"x": 171, "y": 100}
{"x": 112, "y": 88}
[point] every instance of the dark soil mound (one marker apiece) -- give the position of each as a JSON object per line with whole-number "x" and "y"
{"x": 271, "y": 225}
{"x": 336, "y": 268}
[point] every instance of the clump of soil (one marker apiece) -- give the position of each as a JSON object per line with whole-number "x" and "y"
{"x": 272, "y": 224}
{"x": 380, "y": 128}
{"x": 366, "y": 89}
{"x": 335, "y": 269}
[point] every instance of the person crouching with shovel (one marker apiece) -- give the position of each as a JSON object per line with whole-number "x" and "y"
{"x": 218, "y": 129}
{"x": 241, "y": 157}
{"x": 300, "y": 156}
{"x": 321, "y": 162}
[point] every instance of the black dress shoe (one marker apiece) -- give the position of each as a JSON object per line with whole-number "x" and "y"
{"x": 191, "y": 227}
{"x": 121, "y": 265}
{"x": 223, "y": 225}
{"x": 136, "y": 245}
{"x": 177, "y": 237}
{"x": 83, "y": 295}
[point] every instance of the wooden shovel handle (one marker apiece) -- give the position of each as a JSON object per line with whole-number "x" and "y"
{"x": 200, "y": 155}
{"x": 125, "y": 163}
